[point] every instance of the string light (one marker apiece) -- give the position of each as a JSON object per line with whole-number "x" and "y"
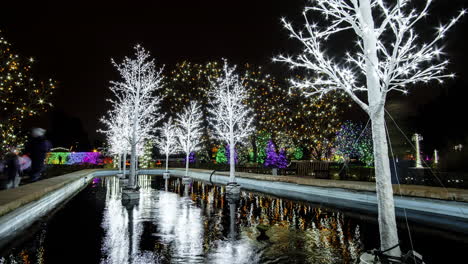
{"x": 19, "y": 93}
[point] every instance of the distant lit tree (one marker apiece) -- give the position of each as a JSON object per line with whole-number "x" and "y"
{"x": 231, "y": 118}
{"x": 221, "y": 155}
{"x": 291, "y": 118}
{"x": 118, "y": 131}
{"x": 147, "y": 154}
{"x": 282, "y": 159}
{"x": 167, "y": 141}
{"x": 354, "y": 141}
{"x": 189, "y": 130}
{"x": 271, "y": 159}
{"x": 312, "y": 123}
{"x": 188, "y": 82}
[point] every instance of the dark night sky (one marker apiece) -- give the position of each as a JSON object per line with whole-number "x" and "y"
{"x": 73, "y": 41}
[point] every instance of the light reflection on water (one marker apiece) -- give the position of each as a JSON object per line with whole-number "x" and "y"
{"x": 196, "y": 224}
{"x": 176, "y": 223}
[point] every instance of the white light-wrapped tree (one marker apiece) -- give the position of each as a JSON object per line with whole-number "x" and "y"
{"x": 137, "y": 89}
{"x": 189, "y": 130}
{"x": 167, "y": 142}
{"x": 117, "y": 132}
{"x": 387, "y": 58}
{"x": 231, "y": 118}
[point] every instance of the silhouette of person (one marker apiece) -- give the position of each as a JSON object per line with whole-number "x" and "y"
{"x": 37, "y": 148}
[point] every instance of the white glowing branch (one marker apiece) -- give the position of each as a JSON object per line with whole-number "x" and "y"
{"x": 231, "y": 118}
{"x": 387, "y": 57}
{"x": 189, "y": 130}
{"x": 140, "y": 81}
{"x": 117, "y": 130}
{"x": 137, "y": 90}
{"x": 400, "y": 60}
{"x": 167, "y": 142}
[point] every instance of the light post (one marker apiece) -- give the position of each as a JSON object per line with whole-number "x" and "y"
{"x": 417, "y": 138}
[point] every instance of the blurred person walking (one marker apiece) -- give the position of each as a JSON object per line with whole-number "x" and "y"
{"x": 37, "y": 149}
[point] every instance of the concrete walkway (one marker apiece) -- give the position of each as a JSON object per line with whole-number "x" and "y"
{"x": 440, "y": 193}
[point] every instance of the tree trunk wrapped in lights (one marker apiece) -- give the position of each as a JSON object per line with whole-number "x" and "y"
{"x": 387, "y": 58}
{"x": 189, "y": 131}
{"x": 231, "y": 118}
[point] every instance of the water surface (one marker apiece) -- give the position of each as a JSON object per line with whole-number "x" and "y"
{"x": 196, "y": 223}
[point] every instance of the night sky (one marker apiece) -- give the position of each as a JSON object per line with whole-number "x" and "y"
{"x": 73, "y": 42}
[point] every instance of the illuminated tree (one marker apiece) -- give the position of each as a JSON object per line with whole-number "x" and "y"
{"x": 118, "y": 132}
{"x": 140, "y": 81}
{"x": 282, "y": 159}
{"x": 230, "y": 117}
{"x": 167, "y": 142}
{"x": 291, "y": 118}
{"x": 189, "y": 130}
{"x": 354, "y": 141}
{"x": 21, "y": 95}
{"x": 190, "y": 82}
{"x": 312, "y": 123}
{"x": 298, "y": 153}
{"x": 387, "y": 58}
{"x": 271, "y": 159}
{"x": 221, "y": 155}
{"x": 147, "y": 154}
{"x": 267, "y": 97}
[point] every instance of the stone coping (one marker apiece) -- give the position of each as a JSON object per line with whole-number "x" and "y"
{"x": 12, "y": 199}
{"x": 451, "y": 194}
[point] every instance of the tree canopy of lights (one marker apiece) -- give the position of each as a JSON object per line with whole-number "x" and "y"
{"x": 117, "y": 131}
{"x": 167, "y": 140}
{"x": 354, "y": 141}
{"x": 267, "y": 98}
{"x": 21, "y": 95}
{"x": 313, "y": 123}
{"x": 189, "y": 130}
{"x": 292, "y": 118}
{"x": 388, "y": 56}
{"x": 230, "y": 117}
{"x": 138, "y": 89}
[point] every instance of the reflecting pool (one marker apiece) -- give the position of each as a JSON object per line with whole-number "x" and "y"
{"x": 196, "y": 223}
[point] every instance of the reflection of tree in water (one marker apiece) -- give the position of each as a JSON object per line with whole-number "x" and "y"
{"x": 123, "y": 225}
{"x": 294, "y": 229}
{"x": 115, "y": 224}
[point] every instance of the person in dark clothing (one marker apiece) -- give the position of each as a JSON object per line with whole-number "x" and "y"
{"x": 37, "y": 149}
{"x": 12, "y": 168}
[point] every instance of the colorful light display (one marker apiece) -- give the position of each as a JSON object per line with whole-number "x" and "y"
{"x": 70, "y": 158}
{"x": 271, "y": 159}
{"x": 354, "y": 141}
{"x": 221, "y": 155}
